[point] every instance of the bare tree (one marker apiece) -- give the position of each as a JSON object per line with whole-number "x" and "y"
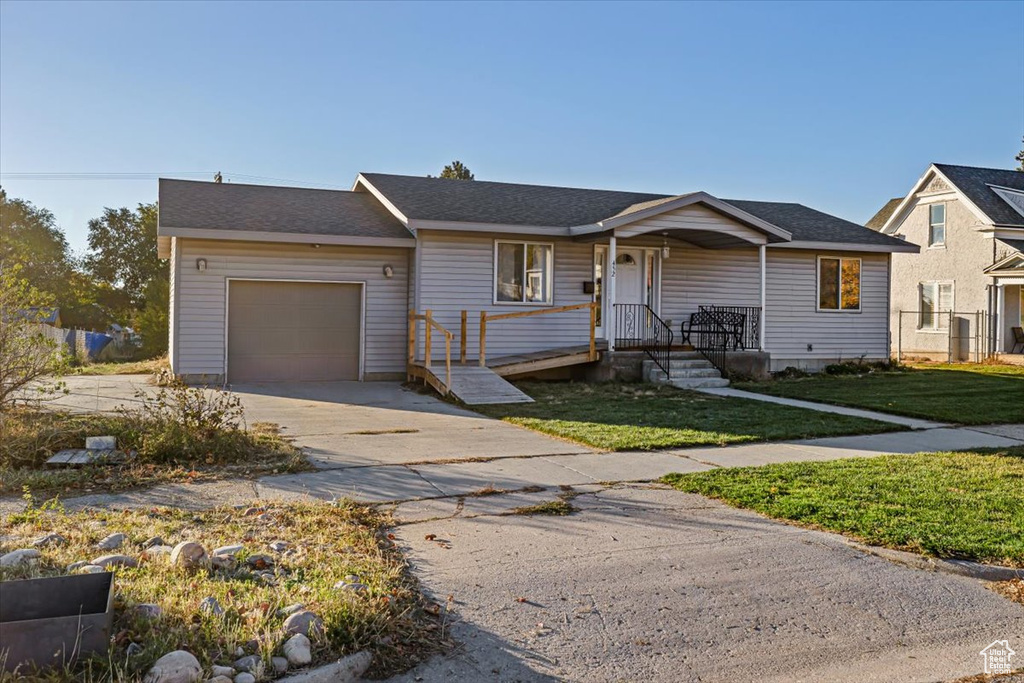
{"x": 28, "y": 359}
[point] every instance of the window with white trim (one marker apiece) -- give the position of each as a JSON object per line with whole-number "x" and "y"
{"x": 523, "y": 272}
{"x": 838, "y": 284}
{"x": 937, "y": 225}
{"x": 936, "y": 302}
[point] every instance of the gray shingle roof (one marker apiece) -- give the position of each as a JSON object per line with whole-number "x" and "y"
{"x": 264, "y": 208}
{"x": 809, "y": 225}
{"x": 974, "y": 182}
{"x": 878, "y": 220}
{"x": 481, "y": 201}
{"x": 1014, "y": 244}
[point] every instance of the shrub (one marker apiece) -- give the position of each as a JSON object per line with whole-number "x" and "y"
{"x": 27, "y": 357}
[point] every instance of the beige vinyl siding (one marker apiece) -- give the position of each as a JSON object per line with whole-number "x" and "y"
{"x": 692, "y": 277}
{"x": 793, "y": 320}
{"x": 456, "y": 272}
{"x": 202, "y": 304}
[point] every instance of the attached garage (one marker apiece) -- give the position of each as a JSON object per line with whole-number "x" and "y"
{"x": 294, "y": 331}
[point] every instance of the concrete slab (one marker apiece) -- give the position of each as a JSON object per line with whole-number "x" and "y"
{"x": 369, "y": 484}
{"x": 506, "y": 473}
{"x": 1015, "y": 432}
{"x": 909, "y": 422}
{"x": 422, "y": 510}
{"x": 632, "y": 466}
{"x": 648, "y": 584}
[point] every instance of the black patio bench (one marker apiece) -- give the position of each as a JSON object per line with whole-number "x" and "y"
{"x": 704, "y": 322}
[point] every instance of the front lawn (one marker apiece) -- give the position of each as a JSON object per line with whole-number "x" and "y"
{"x": 961, "y": 394}
{"x": 335, "y": 561}
{"x": 623, "y": 417}
{"x": 964, "y": 505}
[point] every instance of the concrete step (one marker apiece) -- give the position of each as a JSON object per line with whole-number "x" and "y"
{"x": 699, "y": 383}
{"x": 658, "y": 375}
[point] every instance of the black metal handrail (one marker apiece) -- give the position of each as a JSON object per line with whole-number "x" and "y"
{"x": 750, "y": 334}
{"x": 637, "y": 326}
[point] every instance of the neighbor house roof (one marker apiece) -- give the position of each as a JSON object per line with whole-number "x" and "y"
{"x": 976, "y": 184}
{"x": 877, "y": 222}
{"x": 1017, "y": 245}
{"x": 234, "y": 211}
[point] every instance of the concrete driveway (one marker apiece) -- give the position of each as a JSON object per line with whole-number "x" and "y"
{"x": 650, "y": 584}
{"x": 351, "y": 424}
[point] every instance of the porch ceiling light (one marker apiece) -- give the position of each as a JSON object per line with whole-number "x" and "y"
{"x": 665, "y": 251}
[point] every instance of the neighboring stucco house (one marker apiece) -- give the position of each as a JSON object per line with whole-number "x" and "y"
{"x": 969, "y": 223}
{"x": 275, "y": 283}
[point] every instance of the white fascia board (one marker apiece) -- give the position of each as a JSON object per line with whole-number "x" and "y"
{"x": 288, "y": 237}
{"x": 900, "y": 214}
{"x": 460, "y": 226}
{"x": 847, "y": 246}
{"x": 362, "y": 181}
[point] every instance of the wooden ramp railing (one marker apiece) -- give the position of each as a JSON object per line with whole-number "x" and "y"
{"x": 485, "y": 317}
{"x": 412, "y": 370}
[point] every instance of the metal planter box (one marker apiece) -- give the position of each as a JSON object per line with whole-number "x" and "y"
{"x": 53, "y": 621}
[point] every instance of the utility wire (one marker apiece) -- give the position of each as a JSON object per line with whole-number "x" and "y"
{"x": 155, "y": 176}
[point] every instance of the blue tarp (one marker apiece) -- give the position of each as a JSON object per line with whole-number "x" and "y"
{"x": 95, "y": 342}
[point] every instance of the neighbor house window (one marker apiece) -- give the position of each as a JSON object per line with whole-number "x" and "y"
{"x": 936, "y": 303}
{"x": 838, "y": 284}
{"x": 523, "y": 272}
{"x": 936, "y": 225}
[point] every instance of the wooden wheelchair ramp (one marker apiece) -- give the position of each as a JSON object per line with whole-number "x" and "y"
{"x": 472, "y": 384}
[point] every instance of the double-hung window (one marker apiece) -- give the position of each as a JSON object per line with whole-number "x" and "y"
{"x": 838, "y": 284}
{"x": 936, "y": 303}
{"x": 937, "y": 225}
{"x": 523, "y": 272}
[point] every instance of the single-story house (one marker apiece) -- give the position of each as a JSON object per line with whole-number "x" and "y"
{"x": 283, "y": 283}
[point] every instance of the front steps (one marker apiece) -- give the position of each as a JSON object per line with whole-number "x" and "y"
{"x": 688, "y": 371}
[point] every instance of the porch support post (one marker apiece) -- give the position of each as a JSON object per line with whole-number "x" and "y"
{"x": 1000, "y": 317}
{"x": 762, "y": 257}
{"x": 609, "y": 293}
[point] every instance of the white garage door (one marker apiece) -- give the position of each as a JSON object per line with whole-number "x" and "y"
{"x": 293, "y": 331}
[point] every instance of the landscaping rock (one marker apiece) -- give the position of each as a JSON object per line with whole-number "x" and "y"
{"x": 112, "y": 542}
{"x": 245, "y": 677}
{"x": 22, "y": 556}
{"x": 356, "y": 587}
{"x": 133, "y": 649}
{"x": 91, "y": 569}
{"x": 149, "y": 610}
{"x": 260, "y": 561}
{"x": 152, "y": 541}
{"x": 225, "y": 562}
{"x": 280, "y": 664}
{"x": 279, "y": 546}
{"x": 230, "y": 550}
{"x": 49, "y": 539}
{"x": 100, "y": 443}
{"x": 211, "y": 605}
{"x": 175, "y": 667}
{"x": 109, "y": 561}
{"x": 297, "y": 650}
{"x": 251, "y": 664}
{"x": 189, "y": 555}
{"x": 157, "y": 552}
{"x": 351, "y": 578}
{"x": 304, "y": 622}
{"x": 346, "y": 670}
{"x": 75, "y": 566}
{"x": 219, "y": 679}
{"x": 290, "y": 609}
{"x": 225, "y": 671}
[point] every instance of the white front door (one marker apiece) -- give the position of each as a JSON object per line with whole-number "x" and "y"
{"x": 629, "y": 277}
{"x": 635, "y": 279}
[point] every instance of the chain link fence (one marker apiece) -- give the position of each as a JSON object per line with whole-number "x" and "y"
{"x": 950, "y": 336}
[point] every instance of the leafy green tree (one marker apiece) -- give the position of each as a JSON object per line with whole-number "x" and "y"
{"x": 152, "y": 321}
{"x": 456, "y": 171}
{"x": 30, "y": 239}
{"x": 123, "y": 252}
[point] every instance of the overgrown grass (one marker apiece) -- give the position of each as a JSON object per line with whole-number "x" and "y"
{"x": 326, "y": 544}
{"x": 621, "y": 417}
{"x": 558, "y": 508}
{"x": 966, "y": 505}
{"x": 959, "y": 393}
{"x": 29, "y": 437}
{"x": 129, "y": 367}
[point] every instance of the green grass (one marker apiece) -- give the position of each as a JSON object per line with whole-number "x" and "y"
{"x": 621, "y": 417}
{"x": 965, "y": 505}
{"x": 961, "y": 394}
{"x": 556, "y": 508}
{"x": 391, "y": 617}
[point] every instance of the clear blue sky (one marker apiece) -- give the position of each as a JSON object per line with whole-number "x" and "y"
{"x": 838, "y": 106}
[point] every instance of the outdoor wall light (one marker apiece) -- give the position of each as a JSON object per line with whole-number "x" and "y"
{"x": 201, "y": 265}
{"x": 665, "y": 251}
{"x": 389, "y": 271}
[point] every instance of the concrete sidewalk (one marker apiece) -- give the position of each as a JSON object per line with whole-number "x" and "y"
{"x": 909, "y": 422}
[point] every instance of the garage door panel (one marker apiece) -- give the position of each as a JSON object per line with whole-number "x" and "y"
{"x": 293, "y": 331}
